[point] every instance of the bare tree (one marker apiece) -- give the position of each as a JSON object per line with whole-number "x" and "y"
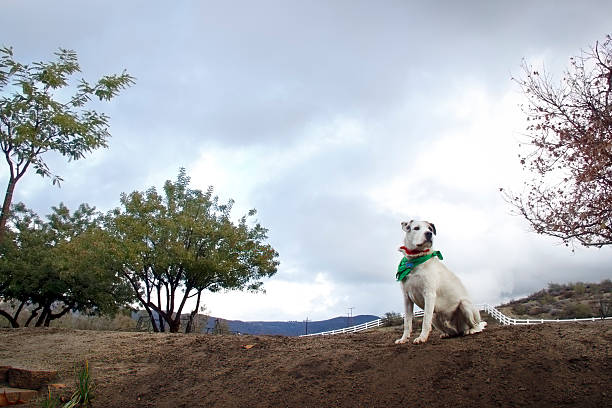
{"x": 569, "y": 195}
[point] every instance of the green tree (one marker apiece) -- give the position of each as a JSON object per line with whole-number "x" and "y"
{"x": 174, "y": 246}
{"x": 35, "y": 118}
{"x": 58, "y": 265}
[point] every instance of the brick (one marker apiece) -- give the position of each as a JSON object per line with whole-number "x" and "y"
{"x": 4, "y": 373}
{"x": 30, "y": 379}
{"x": 10, "y": 396}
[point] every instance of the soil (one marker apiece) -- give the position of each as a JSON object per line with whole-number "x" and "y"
{"x": 507, "y": 366}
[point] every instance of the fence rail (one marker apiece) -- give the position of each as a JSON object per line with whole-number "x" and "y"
{"x": 491, "y": 310}
{"x": 503, "y": 319}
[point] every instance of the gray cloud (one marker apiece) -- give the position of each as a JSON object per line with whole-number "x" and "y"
{"x": 261, "y": 78}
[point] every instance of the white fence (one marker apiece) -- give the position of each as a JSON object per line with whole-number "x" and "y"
{"x": 496, "y": 314}
{"x": 503, "y": 319}
{"x": 358, "y": 328}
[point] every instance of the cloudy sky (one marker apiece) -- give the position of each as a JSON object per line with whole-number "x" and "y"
{"x": 336, "y": 120}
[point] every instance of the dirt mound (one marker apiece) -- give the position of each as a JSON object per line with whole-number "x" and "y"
{"x": 541, "y": 365}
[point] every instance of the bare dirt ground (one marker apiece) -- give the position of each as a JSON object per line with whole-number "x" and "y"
{"x": 508, "y": 366}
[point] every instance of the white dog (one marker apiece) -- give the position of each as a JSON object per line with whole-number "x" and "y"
{"x": 435, "y": 289}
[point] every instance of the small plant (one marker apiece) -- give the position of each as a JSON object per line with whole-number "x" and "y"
{"x": 51, "y": 401}
{"x": 81, "y": 397}
{"x": 85, "y": 387}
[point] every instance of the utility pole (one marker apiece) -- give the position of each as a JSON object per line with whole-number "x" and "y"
{"x": 350, "y": 316}
{"x": 306, "y": 321}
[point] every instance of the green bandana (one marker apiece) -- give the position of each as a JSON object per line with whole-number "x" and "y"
{"x": 407, "y": 265}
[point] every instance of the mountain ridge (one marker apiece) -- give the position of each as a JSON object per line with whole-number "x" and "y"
{"x": 288, "y": 328}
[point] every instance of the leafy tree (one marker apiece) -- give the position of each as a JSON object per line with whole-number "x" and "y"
{"x": 58, "y": 266}
{"x": 570, "y": 157}
{"x": 174, "y": 246}
{"x": 35, "y": 120}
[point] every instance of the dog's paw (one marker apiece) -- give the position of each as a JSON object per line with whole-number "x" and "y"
{"x": 444, "y": 336}
{"x": 401, "y": 341}
{"x": 477, "y": 329}
{"x": 420, "y": 340}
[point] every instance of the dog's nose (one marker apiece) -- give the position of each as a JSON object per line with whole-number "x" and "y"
{"x": 428, "y": 236}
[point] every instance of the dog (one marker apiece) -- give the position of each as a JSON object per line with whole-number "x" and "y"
{"x": 434, "y": 288}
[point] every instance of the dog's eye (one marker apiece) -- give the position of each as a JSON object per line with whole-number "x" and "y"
{"x": 417, "y": 228}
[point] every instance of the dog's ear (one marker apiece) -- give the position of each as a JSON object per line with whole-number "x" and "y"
{"x": 433, "y": 228}
{"x": 406, "y": 225}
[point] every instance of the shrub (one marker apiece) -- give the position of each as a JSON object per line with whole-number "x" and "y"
{"x": 605, "y": 308}
{"x": 579, "y": 288}
{"x": 606, "y": 286}
{"x": 554, "y": 288}
{"x": 519, "y": 309}
{"x": 547, "y": 299}
{"x": 392, "y": 319}
{"x": 557, "y": 313}
{"x": 578, "y": 311}
{"x": 535, "y": 311}
{"x": 120, "y": 322}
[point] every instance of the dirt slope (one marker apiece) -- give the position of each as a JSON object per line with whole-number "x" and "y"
{"x": 543, "y": 366}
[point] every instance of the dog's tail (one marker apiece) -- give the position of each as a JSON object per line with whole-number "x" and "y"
{"x": 472, "y": 315}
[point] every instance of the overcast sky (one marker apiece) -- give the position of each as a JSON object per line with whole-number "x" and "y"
{"x": 336, "y": 120}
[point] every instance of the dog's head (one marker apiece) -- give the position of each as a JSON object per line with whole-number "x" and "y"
{"x": 419, "y": 234}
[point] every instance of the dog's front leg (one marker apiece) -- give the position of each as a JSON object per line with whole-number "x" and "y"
{"x": 409, "y": 306}
{"x": 430, "y": 301}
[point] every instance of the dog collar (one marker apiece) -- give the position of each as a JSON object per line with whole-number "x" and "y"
{"x": 414, "y": 252}
{"x": 407, "y": 265}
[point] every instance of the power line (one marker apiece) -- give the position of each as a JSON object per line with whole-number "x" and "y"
{"x": 349, "y": 319}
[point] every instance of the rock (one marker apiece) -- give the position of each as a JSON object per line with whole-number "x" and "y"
{"x": 31, "y": 379}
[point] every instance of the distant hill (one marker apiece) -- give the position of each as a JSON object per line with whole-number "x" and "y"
{"x": 293, "y": 328}
{"x": 564, "y": 301}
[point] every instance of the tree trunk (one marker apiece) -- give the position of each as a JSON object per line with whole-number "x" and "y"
{"x": 32, "y": 316}
{"x": 13, "y": 319}
{"x": 19, "y": 309}
{"x": 190, "y": 325}
{"x": 175, "y": 324}
{"x": 153, "y": 322}
{"x": 162, "y": 327}
{"x": 6, "y": 206}
{"x": 43, "y": 317}
{"x": 52, "y": 316}
{"x": 10, "y": 318}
